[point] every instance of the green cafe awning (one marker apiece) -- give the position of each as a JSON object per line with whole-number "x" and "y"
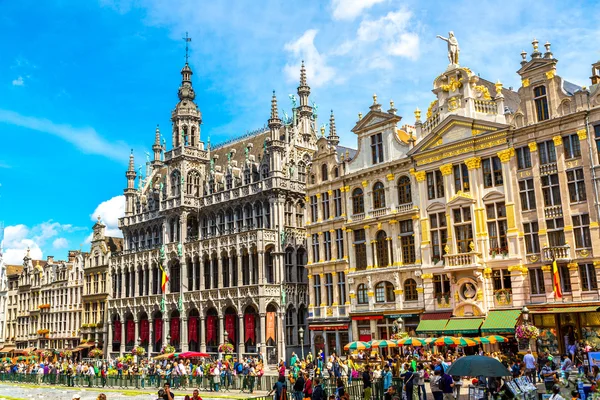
{"x": 434, "y": 326}
{"x": 501, "y": 321}
{"x": 463, "y": 326}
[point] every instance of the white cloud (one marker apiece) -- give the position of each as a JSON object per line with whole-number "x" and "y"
{"x": 318, "y": 72}
{"x": 17, "y": 238}
{"x": 389, "y": 35}
{"x": 18, "y": 82}
{"x": 109, "y": 212}
{"x": 85, "y": 139}
{"x": 350, "y": 9}
{"x": 60, "y": 243}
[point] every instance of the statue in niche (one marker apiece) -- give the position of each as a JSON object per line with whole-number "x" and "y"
{"x": 469, "y": 290}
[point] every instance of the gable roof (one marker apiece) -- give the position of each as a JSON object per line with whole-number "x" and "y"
{"x": 375, "y": 118}
{"x": 239, "y": 144}
{"x": 114, "y": 244}
{"x": 12, "y": 270}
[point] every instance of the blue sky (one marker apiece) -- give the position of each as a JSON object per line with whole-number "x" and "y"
{"x": 83, "y": 82}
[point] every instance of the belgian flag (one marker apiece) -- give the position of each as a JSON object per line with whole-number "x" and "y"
{"x": 556, "y": 280}
{"x": 165, "y": 278}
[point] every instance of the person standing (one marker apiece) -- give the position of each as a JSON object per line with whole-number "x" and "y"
{"x": 387, "y": 378}
{"x": 409, "y": 381}
{"x": 367, "y": 383}
{"x": 548, "y": 374}
{"x": 530, "y": 366}
{"x": 447, "y": 385}
{"x": 434, "y": 384}
{"x": 298, "y": 387}
{"x": 318, "y": 393}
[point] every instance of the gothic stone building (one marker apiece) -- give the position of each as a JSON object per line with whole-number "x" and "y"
{"x": 227, "y": 224}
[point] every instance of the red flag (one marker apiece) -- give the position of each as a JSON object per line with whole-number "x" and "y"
{"x": 270, "y": 326}
{"x": 230, "y": 326}
{"x": 158, "y": 325}
{"x": 556, "y": 280}
{"x": 130, "y": 327}
{"x": 193, "y": 330}
{"x": 250, "y": 331}
{"x": 117, "y": 332}
{"x": 175, "y": 329}
{"x": 144, "y": 331}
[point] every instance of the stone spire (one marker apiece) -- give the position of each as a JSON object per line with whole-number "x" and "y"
{"x": 274, "y": 121}
{"x": 156, "y": 147}
{"x": 333, "y": 138}
{"x": 303, "y": 93}
{"x": 130, "y": 190}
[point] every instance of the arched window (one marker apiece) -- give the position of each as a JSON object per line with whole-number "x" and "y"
{"x": 290, "y": 319}
{"x": 175, "y": 183}
{"x": 193, "y": 183}
{"x": 247, "y": 176}
{"x": 404, "y": 190}
{"x": 264, "y": 172}
{"x": 336, "y": 172}
{"x": 248, "y": 212}
{"x": 258, "y": 212}
{"x": 378, "y": 196}
{"x": 358, "y": 201}
{"x": 324, "y": 175}
{"x": 228, "y": 181}
{"x": 381, "y": 247}
{"x": 301, "y": 172}
{"x": 221, "y": 222}
{"x": 361, "y": 294}
{"x": 312, "y": 179}
{"x": 384, "y": 292}
{"x": 410, "y": 290}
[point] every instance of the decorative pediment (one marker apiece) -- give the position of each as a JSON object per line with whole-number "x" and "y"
{"x": 535, "y": 64}
{"x": 461, "y": 198}
{"x": 375, "y": 119}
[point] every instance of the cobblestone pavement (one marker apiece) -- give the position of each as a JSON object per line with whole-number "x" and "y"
{"x": 29, "y": 392}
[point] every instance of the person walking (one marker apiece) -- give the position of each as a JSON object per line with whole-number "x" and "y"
{"x": 447, "y": 385}
{"x": 530, "y": 366}
{"x": 298, "y": 387}
{"x": 367, "y": 383}
{"x": 434, "y": 384}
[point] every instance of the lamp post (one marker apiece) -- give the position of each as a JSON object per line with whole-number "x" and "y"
{"x": 301, "y": 334}
{"x": 169, "y": 339}
{"x": 225, "y": 337}
{"x": 525, "y": 314}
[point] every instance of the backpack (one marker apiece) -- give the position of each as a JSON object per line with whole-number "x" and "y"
{"x": 442, "y": 383}
{"x": 239, "y": 368}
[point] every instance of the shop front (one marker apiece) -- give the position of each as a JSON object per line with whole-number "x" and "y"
{"x": 502, "y": 322}
{"x": 560, "y": 326}
{"x": 329, "y": 338}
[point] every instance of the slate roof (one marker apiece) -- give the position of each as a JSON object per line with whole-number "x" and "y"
{"x": 343, "y": 149}
{"x": 570, "y": 88}
{"x": 239, "y": 144}
{"x": 511, "y": 98}
{"x": 114, "y": 244}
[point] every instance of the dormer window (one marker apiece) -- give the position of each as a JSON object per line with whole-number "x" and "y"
{"x": 377, "y": 148}
{"x": 229, "y": 181}
{"x": 541, "y": 103}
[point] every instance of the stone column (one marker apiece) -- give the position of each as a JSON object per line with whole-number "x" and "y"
{"x": 263, "y": 335}
{"x": 219, "y": 271}
{"x": 539, "y": 196}
{"x": 334, "y": 249}
{"x": 261, "y": 267}
{"x": 369, "y": 248}
{"x": 390, "y": 255}
{"x": 123, "y": 337}
{"x": 368, "y": 199}
{"x": 250, "y": 267}
{"x": 564, "y": 194}
{"x": 508, "y": 172}
{"x": 319, "y": 208}
{"x": 183, "y": 333}
{"x": 418, "y": 179}
{"x": 150, "y": 336}
{"x": 391, "y": 200}
{"x": 478, "y": 217}
{"x": 241, "y": 337}
{"x": 221, "y": 329}
{"x": 336, "y": 294}
{"x": 202, "y": 330}
{"x": 165, "y": 330}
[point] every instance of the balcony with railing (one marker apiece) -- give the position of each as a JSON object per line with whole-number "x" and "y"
{"x": 558, "y": 253}
{"x": 431, "y": 123}
{"x": 405, "y": 208}
{"x": 486, "y": 106}
{"x": 461, "y": 259}
{"x": 358, "y": 217}
{"x": 553, "y": 212}
{"x": 380, "y": 212}
{"x": 548, "y": 169}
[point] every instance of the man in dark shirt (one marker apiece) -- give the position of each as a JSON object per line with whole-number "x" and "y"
{"x": 367, "y": 383}
{"x": 168, "y": 395}
{"x": 447, "y": 386}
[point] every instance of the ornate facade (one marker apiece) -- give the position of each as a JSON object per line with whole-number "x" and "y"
{"x": 454, "y": 223}
{"x": 226, "y": 223}
{"x": 47, "y": 303}
{"x": 3, "y": 293}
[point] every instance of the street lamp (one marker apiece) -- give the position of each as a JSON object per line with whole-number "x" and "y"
{"x": 169, "y": 339}
{"x": 225, "y": 337}
{"x": 525, "y": 312}
{"x": 301, "y": 334}
{"x": 96, "y": 343}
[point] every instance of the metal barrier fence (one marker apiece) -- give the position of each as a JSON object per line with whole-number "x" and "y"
{"x": 228, "y": 384}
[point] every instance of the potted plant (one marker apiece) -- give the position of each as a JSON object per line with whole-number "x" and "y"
{"x": 167, "y": 349}
{"x": 527, "y": 332}
{"x": 138, "y": 351}
{"x": 96, "y": 353}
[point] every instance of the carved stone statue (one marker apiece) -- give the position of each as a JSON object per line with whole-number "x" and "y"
{"x": 369, "y": 282}
{"x": 179, "y": 249}
{"x": 283, "y": 296}
{"x": 453, "y": 48}
{"x": 293, "y": 100}
{"x": 162, "y": 252}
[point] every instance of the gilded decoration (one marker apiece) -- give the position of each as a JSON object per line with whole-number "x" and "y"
{"x": 427, "y": 276}
{"x": 453, "y": 84}
{"x": 519, "y": 268}
{"x": 453, "y": 103}
{"x": 365, "y": 183}
{"x": 446, "y": 169}
{"x": 458, "y": 149}
{"x": 572, "y": 266}
{"x": 597, "y": 264}
{"x": 417, "y": 114}
{"x": 582, "y": 133}
{"x": 420, "y": 176}
{"x": 473, "y": 162}
{"x": 498, "y": 86}
{"x": 525, "y": 82}
{"x": 557, "y": 140}
{"x": 483, "y": 91}
{"x": 503, "y": 297}
{"x": 430, "y": 109}
{"x": 390, "y": 177}
{"x": 546, "y": 267}
{"x": 506, "y": 155}
{"x": 532, "y": 146}
{"x": 550, "y": 74}
{"x": 487, "y": 272}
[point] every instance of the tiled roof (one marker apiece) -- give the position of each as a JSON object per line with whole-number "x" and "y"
{"x": 13, "y": 270}
{"x": 114, "y": 244}
{"x": 239, "y": 145}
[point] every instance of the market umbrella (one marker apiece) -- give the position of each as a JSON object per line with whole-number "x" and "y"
{"x": 462, "y": 341}
{"x": 357, "y": 346}
{"x": 192, "y": 354}
{"x": 383, "y": 343}
{"x": 411, "y": 342}
{"x": 496, "y": 339}
{"x": 478, "y": 366}
{"x": 164, "y": 356}
{"x": 21, "y": 358}
{"x": 445, "y": 340}
{"x": 482, "y": 340}
{"x": 430, "y": 340}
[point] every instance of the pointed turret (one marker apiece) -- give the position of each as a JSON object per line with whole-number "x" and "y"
{"x": 303, "y": 93}
{"x": 156, "y": 147}
{"x": 130, "y": 190}
{"x": 333, "y": 137}
{"x": 186, "y": 116}
{"x": 274, "y": 121}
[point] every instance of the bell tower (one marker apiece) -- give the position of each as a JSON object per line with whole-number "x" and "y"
{"x": 186, "y": 116}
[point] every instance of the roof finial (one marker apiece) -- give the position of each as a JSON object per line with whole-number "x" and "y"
{"x": 131, "y": 162}
{"x": 187, "y": 40}
{"x": 374, "y": 98}
{"x": 303, "y": 75}
{"x": 333, "y": 137}
{"x": 157, "y": 136}
{"x": 274, "y": 106}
